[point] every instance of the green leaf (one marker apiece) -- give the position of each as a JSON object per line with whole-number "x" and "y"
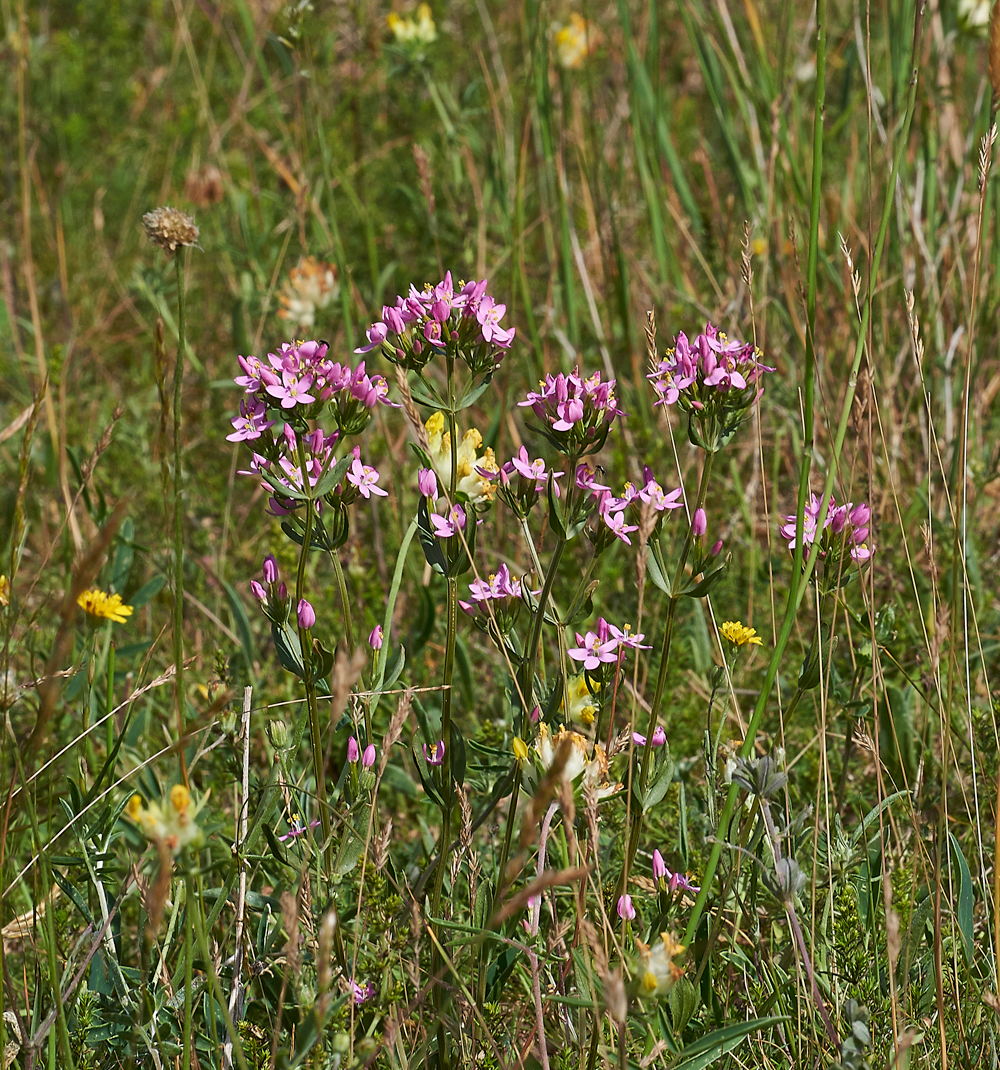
{"x": 555, "y": 514}
{"x": 683, "y": 1000}
{"x": 872, "y": 815}
{"x": 474, "y": 393}
{"x": 147, "y": 592}
{"x": 424, "y": 394}
{"x": 428, "y": 541}
{"x": 965, "y": 898}
{"x": 328, "y": 481}
{"x": 661, "y": 782}
{"x": 708, "y": 581}
{"x": 242, "y": 622}
{"x": 709, "y": 1049}
{"x": 654, "y": 566}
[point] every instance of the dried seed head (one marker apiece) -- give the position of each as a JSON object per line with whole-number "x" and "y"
{"x": 169, "y": 228}
{"x": 380, "y": 848}
{"x": 204, "y": 186}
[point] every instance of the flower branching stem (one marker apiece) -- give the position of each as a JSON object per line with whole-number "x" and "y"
{"x": 178, "y": 636}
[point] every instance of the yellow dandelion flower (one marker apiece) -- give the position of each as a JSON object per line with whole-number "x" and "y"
{"x": 739, "y": 635}
{"x": 100, "y": 606}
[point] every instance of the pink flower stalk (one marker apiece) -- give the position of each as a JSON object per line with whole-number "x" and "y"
{"x": 625, "y": 909}
{"x": 375, "y": 637}
{"x": 306, "y": 615}
{"x": 436, "y": 756}
{"x": 353, "y": 751}
{"x": 368, "y": 758}
{"x": 846, "y": 527}
{"x": 446, "y": 526}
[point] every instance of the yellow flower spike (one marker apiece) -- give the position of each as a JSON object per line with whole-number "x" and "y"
{"x": 4, "y": 591}
{"x": 435, "y": 422}
{"x": 180, "y": 798}
{"x": 520, "y": 749}
{"x": 100, "y": 606}
{"x": 739, "y": 635}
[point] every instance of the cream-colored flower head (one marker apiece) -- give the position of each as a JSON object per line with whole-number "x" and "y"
{"x": 589, "y": 772}
{"x": 311, "y": 285}
{"x": 414, "y": 30}
{"x": 467, "y": 460}
{"x": 169, "y": 228}
{"x": 574, "y": 41}
{"x": 171, "y": 821}
{"x": 659, "y": 971}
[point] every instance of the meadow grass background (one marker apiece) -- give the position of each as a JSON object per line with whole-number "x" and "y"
{"x": 682, "y": 144}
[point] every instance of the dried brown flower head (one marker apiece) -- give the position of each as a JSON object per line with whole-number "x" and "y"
{"x": 204, "y": 186}
{"x": 169, "y": 228}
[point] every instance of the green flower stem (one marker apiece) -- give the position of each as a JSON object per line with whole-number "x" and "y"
{"x": 179, "y": 527}
{"x": 109, "y": 698}
{"x": 188, "y": 969}
{"x": 661, "y": 676}
{"x": 796, "y": 593}
{"x": 213, "y": 977}
{"x": 305, "y": 642}
{"x": 345, "y": 601}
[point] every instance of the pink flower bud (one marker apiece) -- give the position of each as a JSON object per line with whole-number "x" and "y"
{"x": 282, "y": 591}
{"x": 270, "y": 569}
{"x": 699, "y": 524}
{"x": 638, "y": 740}
{"x": 536, "y": 714}
{"x": 368, "y": 758}
{"x": 716, "y": 549}
{"x": 375, "y": 637}
{"x": 625, "y": 909}
{"x": 427, "y": 483}
{"x": 307, "y": 615}
{"x": 659, "y": 737}
{"x": 259, "y": 593}
{"x": 659, "y": 867}
{"x": 352, "y": 750}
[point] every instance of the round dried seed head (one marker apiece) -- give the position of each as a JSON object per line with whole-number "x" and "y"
{"x": 169, "y": 228}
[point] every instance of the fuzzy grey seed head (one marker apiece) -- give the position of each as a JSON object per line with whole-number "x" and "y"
{"x": 169, "y": 228}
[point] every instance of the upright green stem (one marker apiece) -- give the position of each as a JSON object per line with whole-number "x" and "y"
{"x": 796, "y": 593}
{"x": 179, "y": 523}
{"x": 661, "y": 676}
{"x": 188, "y": 970}
{"x": 305, "y": 642}
{"x": 344, "y": 602}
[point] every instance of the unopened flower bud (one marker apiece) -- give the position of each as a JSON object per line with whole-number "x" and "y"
{"x": 716, "y": 549}
{"x": 368, "y": 758}
{"x": 307, "y": 615}
{"x": 625, "y": 909}
{"x": 282, "y": 591}
{"x": 699, "y": 523}
{"x": 259, "y": 593}
{"x": 659, "y": 866}
{"x": 375, "y": 637}
{"x": 427, "y": 483}
{"x": 659, "y": 737}
{"x": 353, "y": 752}
{"x": 270, "y": 569}
{"x": 277, "y": 733}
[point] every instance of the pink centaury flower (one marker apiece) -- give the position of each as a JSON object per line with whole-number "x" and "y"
{"x": 306, "y": 614}
{"x": 435, "y": 756}
{"x": 625, "y": 909}
{"x": 353, "y": 751}
{"x": 375, "y": 637}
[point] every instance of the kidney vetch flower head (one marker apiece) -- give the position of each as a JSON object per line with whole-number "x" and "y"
{"x": 171, "y": 822}
{"x": 416, "y": 30}
{"x": 574, "y": 40}
{"x": 474, "y": 470}
{"x": 659, "y": 971}
{"x": 579, "y": 769}
{"x": 310, "y": 287}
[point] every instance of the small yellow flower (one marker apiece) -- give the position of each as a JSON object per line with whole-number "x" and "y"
{"x": 100, "y": 606}
{"x": 520, "y": 749}
{"x": 172, "y": 822}
{"x": 574, "y": 41}
{"x": 4, "y": 591}
{"x": 737, "y": 634}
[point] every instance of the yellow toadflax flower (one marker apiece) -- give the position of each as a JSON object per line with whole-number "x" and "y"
{"x": 4, "y": 591}
{"x": 100, "y": 606}
{"x": 659, "y": 972}
{"x": 171, "y": 822}
{"x": 574, "y": 41}
{"x": 739, "y": 635}
{"x": 468, "y": 459}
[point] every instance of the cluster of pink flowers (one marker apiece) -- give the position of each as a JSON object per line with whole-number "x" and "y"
{"x": 298, "y": 381}
{"x": 498, "y": 597}
{"x": 846, "y": 526}
{"x": 577, "y": 413}
{"x": 702, "y": 373}
{"x": 602, "y": 646}
{"x": 440, "y": 318}
{"x": 612, "y": 510}
{"x": 669, "y": 880}
{"x": 521, "y": 480}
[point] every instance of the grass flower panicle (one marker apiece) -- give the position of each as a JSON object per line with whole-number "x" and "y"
{"x": 100, "y": 606}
